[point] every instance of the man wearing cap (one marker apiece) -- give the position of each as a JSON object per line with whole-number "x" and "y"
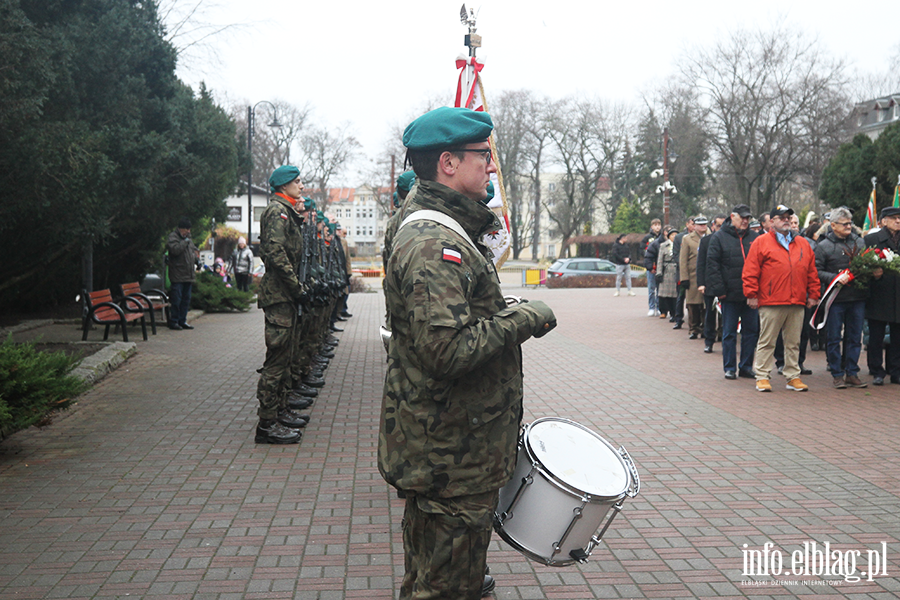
{"x": 280, "y": 295}
{"x": 712, "y": 323}
{"x": 687, "y": 271}
{"x": 182, "y": 262}
{"x": 844, "y": 323}
{"x": 883, "y": 304}
{"x": 780, "y": 279}
{"x": 452, "y": 403}
{"x": 724, "y": 266}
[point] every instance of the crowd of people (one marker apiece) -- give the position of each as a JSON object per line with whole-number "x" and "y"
{"x": 760, "y": 281}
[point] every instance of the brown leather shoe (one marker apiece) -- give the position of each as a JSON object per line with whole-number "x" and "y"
{"x": 854, "y": 382}
{"x": 838, "y": 383}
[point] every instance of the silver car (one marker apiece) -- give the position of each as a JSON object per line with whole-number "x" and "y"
{"x": 569, "y": 267}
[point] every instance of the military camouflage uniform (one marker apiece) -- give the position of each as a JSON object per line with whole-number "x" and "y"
{"x": 281, "y": 248}
{"x": 452, "y": 402}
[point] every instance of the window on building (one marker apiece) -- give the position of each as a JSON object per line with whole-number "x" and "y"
{"x": 551, "y": 187}
{"x": 881, "y": 115}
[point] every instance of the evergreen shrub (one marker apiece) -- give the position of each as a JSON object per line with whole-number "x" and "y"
{"x": 33, "y": 384}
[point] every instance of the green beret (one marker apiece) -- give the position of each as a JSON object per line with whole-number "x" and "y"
{"x": 331, "y": 227}
{"x": 406, "y": 181}
{"x": 396, "y": 200}
{"x": 283, "y": 175}
{"x": 309, "y": 204}
{"x": 447, "y": 127}
{"x": 490, "y": 192}
{"x": 320, "y": 216}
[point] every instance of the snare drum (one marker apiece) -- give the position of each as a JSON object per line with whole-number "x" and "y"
{"x": 566, "y": 480}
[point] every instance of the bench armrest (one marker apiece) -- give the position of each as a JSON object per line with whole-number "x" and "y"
{"x": 112, "y": 305}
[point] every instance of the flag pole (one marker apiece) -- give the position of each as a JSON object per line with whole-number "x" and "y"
{"x": 473, "y": 41}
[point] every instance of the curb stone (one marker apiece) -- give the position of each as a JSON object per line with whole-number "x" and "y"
{"x": 96, "y": 366}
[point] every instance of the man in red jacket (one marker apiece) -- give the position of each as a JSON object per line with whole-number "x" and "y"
{"x": 780, "y": 279}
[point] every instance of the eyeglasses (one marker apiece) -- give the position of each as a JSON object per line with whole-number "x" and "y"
{"x": 487, "y": 153}
{"x": 844, "y": 224}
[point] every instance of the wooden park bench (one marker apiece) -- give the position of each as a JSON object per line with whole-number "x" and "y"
{"x": 150, "y": 304}
{"x": 100, "y": 308}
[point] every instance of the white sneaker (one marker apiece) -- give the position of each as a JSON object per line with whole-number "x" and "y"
{"x": 656, "y": 313}
{"x": 651, "y": 313}
{"x": 631, "y": 293}
{"x": 616, "y": 294}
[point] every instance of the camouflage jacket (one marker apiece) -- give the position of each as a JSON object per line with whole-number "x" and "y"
{"x": 452, "y": 401}
{"x": 281, "y": 249}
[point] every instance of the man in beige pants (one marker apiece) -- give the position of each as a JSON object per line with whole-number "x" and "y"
{"x": 780, "y": 279}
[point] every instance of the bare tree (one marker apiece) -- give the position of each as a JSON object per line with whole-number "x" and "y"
{"x": 757, "y": 87}
{"x": 513, "y": 116}
{"x": 324, "y": 155}
{"x": 577, "y": 152}
{"x": 191, "y": 31}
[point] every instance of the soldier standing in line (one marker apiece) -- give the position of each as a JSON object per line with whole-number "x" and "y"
{"x": 404, "y": 187}
{"x": 344, "y": 313}
{"x": 454, "y": 361}
{"x": 301, "y": 394}
{"x": 280, "y": 293}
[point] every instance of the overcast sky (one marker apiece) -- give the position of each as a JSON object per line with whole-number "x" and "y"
{"x": 374, "y": 64}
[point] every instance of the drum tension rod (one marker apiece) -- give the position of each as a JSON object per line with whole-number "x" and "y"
{"x": 577, "y": 512}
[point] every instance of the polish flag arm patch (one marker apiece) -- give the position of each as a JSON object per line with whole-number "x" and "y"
{"x": 283, "y": 216}
{"x": 451, "y": 255}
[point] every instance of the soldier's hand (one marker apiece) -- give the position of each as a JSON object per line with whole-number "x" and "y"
{"x": 546, "y": 320}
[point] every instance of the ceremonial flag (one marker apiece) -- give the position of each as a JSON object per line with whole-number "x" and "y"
{"x": 470, "y": 94}
{"x": 871, "y": 219}
{"x": 897, "y": 196}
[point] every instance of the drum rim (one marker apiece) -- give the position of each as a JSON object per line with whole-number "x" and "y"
{"x": 537, "y": 464}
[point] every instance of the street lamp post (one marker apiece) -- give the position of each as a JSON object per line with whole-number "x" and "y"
{"x": 251, "y": 112}
{"x": 666, "y": 186}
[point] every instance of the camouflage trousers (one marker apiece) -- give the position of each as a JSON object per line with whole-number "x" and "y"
{"x": 275, "y": 376}
{"x": 445, "y": 544}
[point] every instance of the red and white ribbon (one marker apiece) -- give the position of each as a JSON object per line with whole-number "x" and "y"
{"x": 467, "y": 91}
{"x": 827, "y": 300}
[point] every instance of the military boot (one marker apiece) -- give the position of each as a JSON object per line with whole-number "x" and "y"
{"x": 326, "y": 353}
{"x": 273, "y": 432}
{"x": 315, "y": 382}
{"x": 301, "y": 389}
{"x": 299, "y": 402}
{"x": 291, "y": 419}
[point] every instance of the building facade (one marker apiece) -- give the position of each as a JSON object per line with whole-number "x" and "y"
{"x": 872, "y": 116}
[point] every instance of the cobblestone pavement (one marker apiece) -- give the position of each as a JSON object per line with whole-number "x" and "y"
{"x": 152, "y": 486}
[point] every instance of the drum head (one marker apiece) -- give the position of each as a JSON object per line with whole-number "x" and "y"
{"x": 577, "y": 457}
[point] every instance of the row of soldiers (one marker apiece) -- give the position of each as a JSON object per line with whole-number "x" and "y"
{"x": 303, "y": 292}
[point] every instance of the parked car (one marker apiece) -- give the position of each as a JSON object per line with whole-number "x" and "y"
{"x": 569, "y": 267}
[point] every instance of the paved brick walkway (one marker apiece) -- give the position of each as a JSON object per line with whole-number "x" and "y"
{"x": 152, "y": 487}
